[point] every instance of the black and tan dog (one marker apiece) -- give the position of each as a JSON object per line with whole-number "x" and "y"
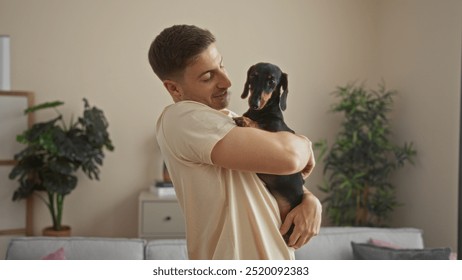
{"x": 264, "y": 84}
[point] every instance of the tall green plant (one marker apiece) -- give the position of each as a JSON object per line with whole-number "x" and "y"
{"x": 359, "y": 163}
{"x": 55, "y": 152}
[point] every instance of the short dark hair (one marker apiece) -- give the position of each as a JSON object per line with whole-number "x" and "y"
{"x": 175, "y": 48}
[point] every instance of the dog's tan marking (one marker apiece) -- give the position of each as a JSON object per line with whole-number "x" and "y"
{"x": 265, "y": 96}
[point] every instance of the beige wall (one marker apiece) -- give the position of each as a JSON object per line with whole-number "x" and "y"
{"x": 97, "y": 49}
{"x": 420, "y": 56}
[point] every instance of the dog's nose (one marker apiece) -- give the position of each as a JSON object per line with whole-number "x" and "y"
{"x": 254, "y": 105}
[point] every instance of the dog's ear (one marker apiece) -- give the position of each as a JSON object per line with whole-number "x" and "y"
{"x": 284, "y": 85}
{"x": 245, "y": 93}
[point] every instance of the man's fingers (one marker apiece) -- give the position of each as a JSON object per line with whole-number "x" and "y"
{"x": 286, "y": 224}
{"x": 301, "y": 241}
{"x": 297, "y": 240}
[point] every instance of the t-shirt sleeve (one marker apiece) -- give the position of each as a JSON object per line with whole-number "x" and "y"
{"x": 191, "y": 130}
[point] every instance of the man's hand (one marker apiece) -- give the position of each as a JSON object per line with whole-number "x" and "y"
{"x": 307, "y": 220}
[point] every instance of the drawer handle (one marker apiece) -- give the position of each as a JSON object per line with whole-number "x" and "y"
{"x": 168, "y": 218}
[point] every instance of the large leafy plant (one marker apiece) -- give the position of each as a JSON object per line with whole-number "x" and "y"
{"x": 359, "y": 163}
{"x": 55, "y": 152}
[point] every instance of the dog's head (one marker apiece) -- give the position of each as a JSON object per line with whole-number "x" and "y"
{"x": 264, "y": 83}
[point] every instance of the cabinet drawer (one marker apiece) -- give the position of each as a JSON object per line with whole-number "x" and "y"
{"x": 160, "y": 218}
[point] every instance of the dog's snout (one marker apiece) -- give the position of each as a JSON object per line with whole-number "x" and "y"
{"x": 254, "y": 102}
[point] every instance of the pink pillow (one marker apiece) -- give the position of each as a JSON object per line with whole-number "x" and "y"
{"x": 56, "y": 255}
{"x": 381, "y": 243}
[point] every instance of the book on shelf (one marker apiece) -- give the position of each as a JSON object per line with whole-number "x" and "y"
{"x": 164, "y": 184}
{"x": 161, "y": 188}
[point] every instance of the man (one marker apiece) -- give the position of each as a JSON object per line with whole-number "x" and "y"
{"x": 229, "y": 213}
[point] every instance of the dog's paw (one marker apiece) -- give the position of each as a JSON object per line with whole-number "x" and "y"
{"x": 245, "y": 122}
{"x": 240, "y": 121}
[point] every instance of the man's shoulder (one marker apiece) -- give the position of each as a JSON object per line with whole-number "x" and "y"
{"x": 193, "y": 111}
{"x": 185, "y": 107}
{"x": 189, "y": 105}
{"x": 193, "y": 116}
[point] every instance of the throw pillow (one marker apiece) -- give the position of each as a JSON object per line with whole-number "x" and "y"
{"x": 56, "y": 255}
{"x": 381, "y": 243}
{"x": 364, "y": 251}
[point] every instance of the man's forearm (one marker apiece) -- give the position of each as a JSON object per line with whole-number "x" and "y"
{"x": 255, "y": 150}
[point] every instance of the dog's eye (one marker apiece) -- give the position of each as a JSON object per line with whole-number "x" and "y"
{"x": 271, "y": 82}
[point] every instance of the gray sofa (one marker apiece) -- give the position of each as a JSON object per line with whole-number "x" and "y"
{"x": 333, "y": 243}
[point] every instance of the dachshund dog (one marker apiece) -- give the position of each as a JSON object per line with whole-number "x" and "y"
{"x": 264, "y": 83}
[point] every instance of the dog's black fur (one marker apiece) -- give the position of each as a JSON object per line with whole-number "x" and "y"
{"x": 264, "y": 83}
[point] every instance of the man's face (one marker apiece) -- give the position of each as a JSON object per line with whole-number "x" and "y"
{"x": 205, "y": 80}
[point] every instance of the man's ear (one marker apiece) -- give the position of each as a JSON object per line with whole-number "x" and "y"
{"x": 174, "y": 89}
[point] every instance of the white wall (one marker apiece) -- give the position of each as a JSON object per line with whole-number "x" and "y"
{"x": 97, "y": 49}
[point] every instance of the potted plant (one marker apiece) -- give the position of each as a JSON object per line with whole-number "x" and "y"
{"x": 358, "y": 165}
{"x": 55, "y": 152}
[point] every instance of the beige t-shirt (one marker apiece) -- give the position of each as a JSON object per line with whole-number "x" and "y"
{"x": 229, "y": 214}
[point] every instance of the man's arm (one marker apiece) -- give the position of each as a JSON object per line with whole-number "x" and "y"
{"x": 281, "y": 153}
{"x": 309, "y": 166}
{"x": 256, "y": 150}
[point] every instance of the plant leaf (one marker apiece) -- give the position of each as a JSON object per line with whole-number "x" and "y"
{"x": 42, "y": 106}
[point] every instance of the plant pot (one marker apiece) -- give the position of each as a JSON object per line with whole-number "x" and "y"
{"x": 64, "y": 232}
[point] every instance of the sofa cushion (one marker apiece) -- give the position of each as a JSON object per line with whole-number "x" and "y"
{"x": 362, "y": 251}
{"x": 166, "y": 249}
{"x": 76, "y": 248}
{"x": 334, "y": 243}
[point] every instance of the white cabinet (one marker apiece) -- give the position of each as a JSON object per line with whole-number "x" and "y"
{"x": 159, "y": 217}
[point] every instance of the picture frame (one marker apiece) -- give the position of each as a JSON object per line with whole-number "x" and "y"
{"x": 16, "y": 218}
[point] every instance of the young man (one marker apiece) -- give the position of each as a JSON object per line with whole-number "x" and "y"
{"x": 229, "y": 213}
